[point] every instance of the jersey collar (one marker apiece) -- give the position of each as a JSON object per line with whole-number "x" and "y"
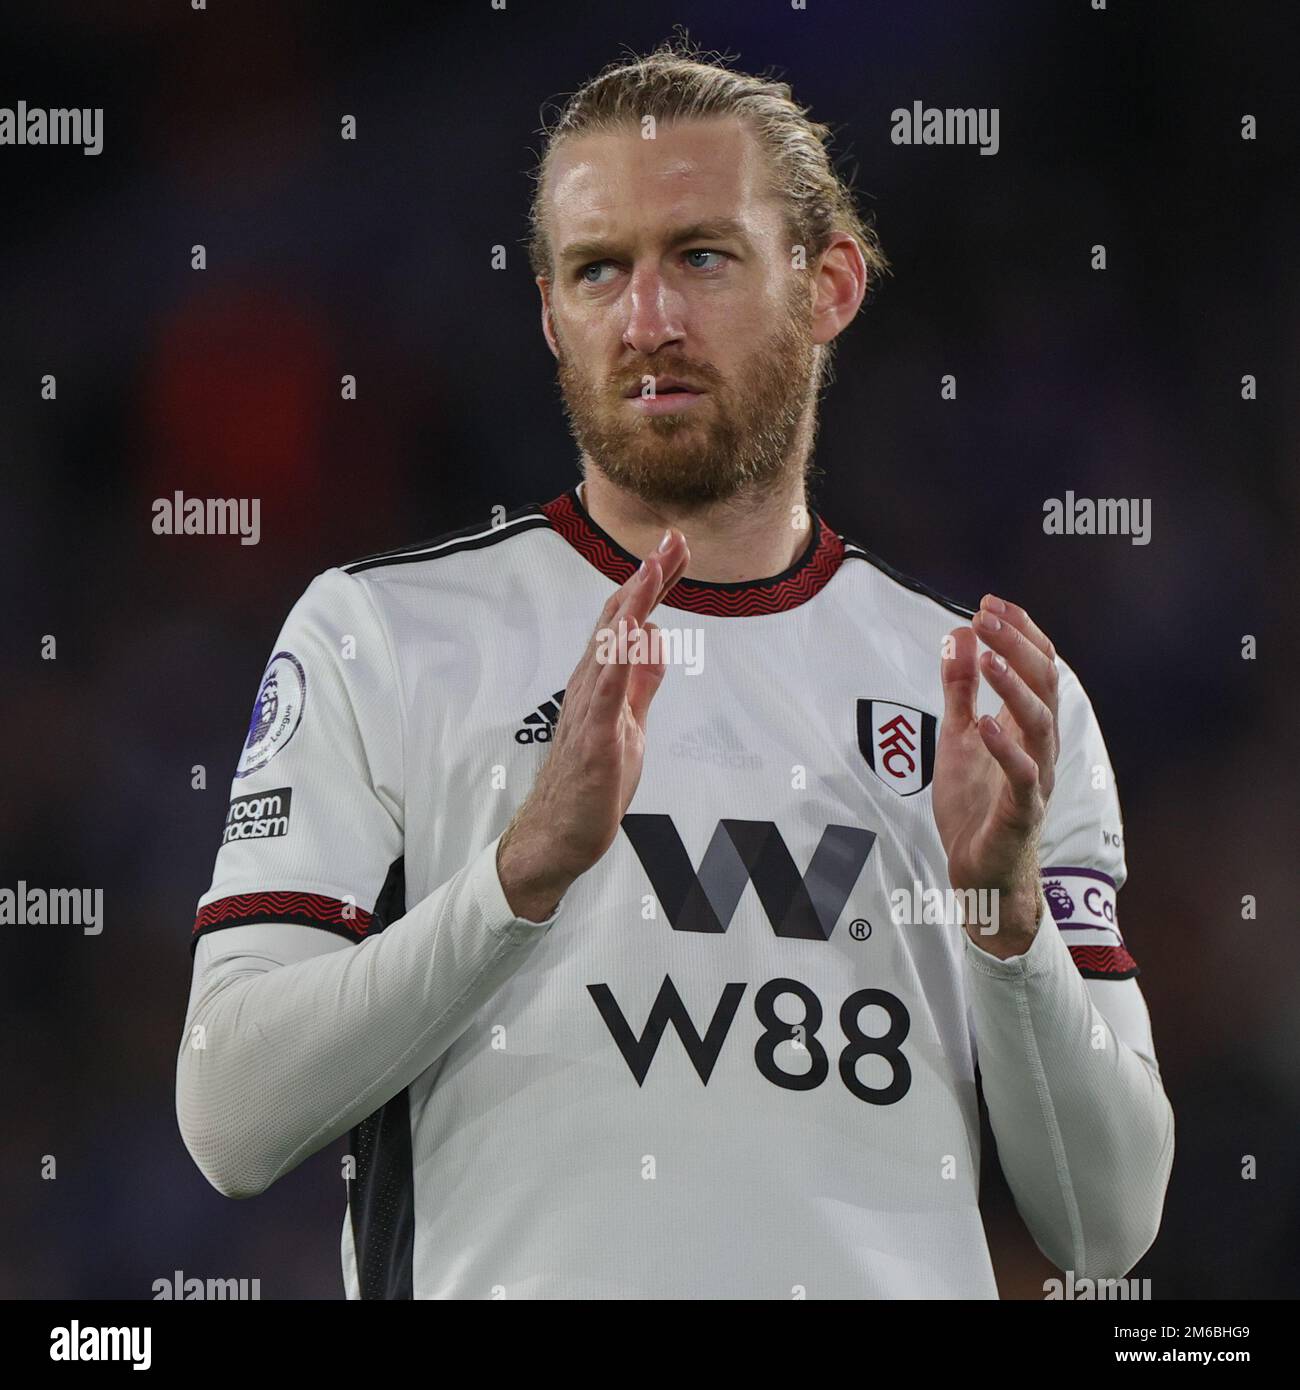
{"x": 809, "y": 574}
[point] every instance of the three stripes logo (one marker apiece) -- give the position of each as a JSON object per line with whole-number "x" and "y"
{"x": 540, "y": 725}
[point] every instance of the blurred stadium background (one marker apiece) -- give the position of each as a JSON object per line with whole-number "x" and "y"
{"x": 373, "y": 257}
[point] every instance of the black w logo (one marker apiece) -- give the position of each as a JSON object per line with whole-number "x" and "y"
{"x": 805, "y": 906}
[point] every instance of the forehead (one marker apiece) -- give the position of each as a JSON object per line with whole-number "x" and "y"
{"x": 609, "y": 183}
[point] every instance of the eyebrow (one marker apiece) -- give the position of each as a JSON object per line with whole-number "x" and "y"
{"x": 713, "y": 229}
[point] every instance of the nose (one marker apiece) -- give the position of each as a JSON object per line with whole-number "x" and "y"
{"x": 654, "y": 312}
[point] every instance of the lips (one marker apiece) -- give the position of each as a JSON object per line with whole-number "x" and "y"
{"x": 665, "y": 386}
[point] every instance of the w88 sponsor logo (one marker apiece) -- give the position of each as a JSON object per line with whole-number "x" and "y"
{"x": 799, "y": 905}
{"x": 639, "y": 1051}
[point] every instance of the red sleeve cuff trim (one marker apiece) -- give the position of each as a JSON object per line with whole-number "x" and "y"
{"x": 1104, "y": 962}
{"x": 305, "y": 909}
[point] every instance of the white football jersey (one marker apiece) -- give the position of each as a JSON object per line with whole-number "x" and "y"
{"x": 740, "y": 1060}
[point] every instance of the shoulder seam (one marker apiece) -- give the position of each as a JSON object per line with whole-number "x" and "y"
{"x": 474, "y": 537}
{"x": 854, "y": 550}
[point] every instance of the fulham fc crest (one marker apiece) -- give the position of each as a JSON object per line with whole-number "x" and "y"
{"x": 898, "y": 743}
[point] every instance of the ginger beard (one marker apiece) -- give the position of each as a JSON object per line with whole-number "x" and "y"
{"x": 742, "y": 434}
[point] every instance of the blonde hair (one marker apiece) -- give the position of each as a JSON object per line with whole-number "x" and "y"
{"x": 678, "y": 82}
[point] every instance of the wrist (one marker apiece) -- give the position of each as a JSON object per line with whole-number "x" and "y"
{"x": 529, "y": 878}
{"x": 1019, "y": 918}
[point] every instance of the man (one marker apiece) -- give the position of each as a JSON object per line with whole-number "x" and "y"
{"x": 649, "y": 977}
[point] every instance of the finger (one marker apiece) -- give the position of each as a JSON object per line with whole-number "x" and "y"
{"x": 960, "y": 676}
{"x": 632, "y": 602}
{"x": 577, "y": 696}
{"x": 1028, "y": 659}
{"x": 645, "y": 680}
{"x": 1018, "y": 618}
{"x": 631, "y": 597}
{"x": 672, "y": 557}
{"x": 613, "y": 674}
{"x": 675, "y": 557}
{"x": 1020, "y": 769}
{"x": 1032, "y": 717}
{"x": 644, "y": 588}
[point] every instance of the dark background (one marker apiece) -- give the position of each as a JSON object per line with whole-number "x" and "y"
{"x": 373, "y": 258}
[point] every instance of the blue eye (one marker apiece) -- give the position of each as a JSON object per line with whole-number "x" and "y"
{"x": 592, "y": 273}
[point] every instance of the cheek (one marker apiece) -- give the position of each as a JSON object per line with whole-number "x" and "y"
{"x": 585, "y": 338}
{"x": 729, "y": 333}
{"x": 583, "y": 366}
{"x": 754, "y": 313}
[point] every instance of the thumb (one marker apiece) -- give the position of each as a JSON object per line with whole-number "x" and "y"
{"x": 959, "y": 671}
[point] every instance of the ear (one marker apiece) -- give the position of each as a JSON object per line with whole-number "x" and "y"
{"x": 548, "y": 319}
{"x": 841, "y": 285}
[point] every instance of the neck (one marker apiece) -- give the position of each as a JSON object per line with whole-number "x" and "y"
{"x": 753, "y": 535}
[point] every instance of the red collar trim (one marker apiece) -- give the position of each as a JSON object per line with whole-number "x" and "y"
{"x": 807, "y": 576}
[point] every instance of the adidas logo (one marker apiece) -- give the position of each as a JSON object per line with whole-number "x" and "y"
{"x": 537, "y": 726}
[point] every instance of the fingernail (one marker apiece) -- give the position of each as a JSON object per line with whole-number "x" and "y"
{"x": 989, "y": 621}
{"x": 993, "y": 724}
{"x": 640, "y": 570}
{"x": 996, "y": 604}
{"x": 999, "y": 662}
{"x": 668, "y": 535}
